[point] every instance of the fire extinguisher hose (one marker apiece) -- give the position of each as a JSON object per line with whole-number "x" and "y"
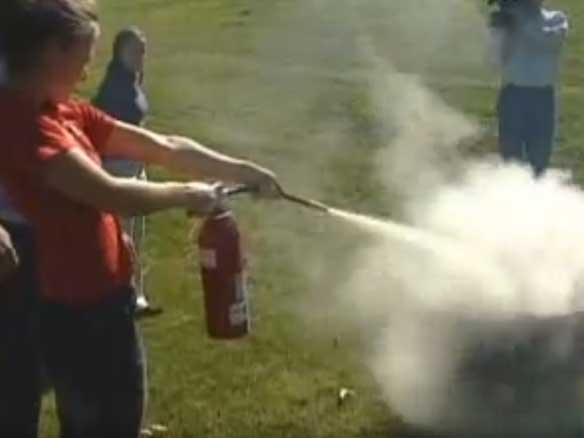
{"x": 309, "y": 203}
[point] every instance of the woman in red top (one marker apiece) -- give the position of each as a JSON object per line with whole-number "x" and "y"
{"x": 51, "y": 169}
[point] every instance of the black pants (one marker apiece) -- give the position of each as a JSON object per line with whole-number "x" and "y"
{"x": 95, "y": 361}
{"x": 20, "y": 377}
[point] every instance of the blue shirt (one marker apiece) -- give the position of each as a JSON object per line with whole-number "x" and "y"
{"x": 122, "y": 97}
{"x": 529, "y": 53}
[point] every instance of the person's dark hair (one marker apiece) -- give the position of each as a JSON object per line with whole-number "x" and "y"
{"x": 123, "y": 37}
{"x": 26, "y": 26}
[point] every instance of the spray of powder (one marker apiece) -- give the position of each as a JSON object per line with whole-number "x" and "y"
{"x": 470, "y": 305}
{"x": 493, "y": 266}
{"x": 488, "y": 256}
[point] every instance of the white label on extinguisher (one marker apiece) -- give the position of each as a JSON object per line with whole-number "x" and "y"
{"x": 238, "y": 312}
{"x": 208, "y": 258}
{"x": 240, "y": 289}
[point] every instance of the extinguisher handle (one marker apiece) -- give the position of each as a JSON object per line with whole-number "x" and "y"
{"x": 232, "y": 191}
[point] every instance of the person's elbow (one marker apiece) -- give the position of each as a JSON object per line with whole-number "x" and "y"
{"x": 173, "y": 152}
{"x": 112, "y": 197}
{"x": 82, "y": 181}
{"x": 107, "y": 195}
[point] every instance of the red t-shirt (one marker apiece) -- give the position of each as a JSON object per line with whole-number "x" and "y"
{"x": 83, "y": 257}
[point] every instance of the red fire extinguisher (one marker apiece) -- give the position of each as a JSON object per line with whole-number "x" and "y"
{"x": 223, "y": 277}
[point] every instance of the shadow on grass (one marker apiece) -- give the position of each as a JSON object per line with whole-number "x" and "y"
{"x": 399, "y": 430}
{"x": 389, "y": 430}
{"x": 404, "y": 430}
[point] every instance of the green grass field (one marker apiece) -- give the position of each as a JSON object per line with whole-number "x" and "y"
{"x": 269, "y": 80}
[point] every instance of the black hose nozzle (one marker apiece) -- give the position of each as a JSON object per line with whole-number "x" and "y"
{"x": 309, "y": 203}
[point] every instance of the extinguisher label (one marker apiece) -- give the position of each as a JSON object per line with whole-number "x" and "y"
{"x": 208, "y": 258}
{"x": 238, "y": 313}
{"x": 240, "y": 290}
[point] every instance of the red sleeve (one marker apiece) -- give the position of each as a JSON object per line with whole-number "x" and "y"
{"x": 53, "y": 139}
{"x": 97, "y": 125}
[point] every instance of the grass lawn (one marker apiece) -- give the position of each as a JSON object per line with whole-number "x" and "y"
{"x": 273, "y": 81}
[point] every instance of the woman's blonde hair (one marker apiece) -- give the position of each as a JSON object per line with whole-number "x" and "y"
{"x": 26, "y": 26}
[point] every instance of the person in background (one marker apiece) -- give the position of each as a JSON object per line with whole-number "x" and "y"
{"x": 51, "y": 170}
{"x": 526, "y": 44}
{"x": 20, "y": 360}
{"x": 122, "y": 96}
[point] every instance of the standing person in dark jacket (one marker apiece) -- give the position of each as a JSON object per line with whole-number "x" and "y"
{"x": 122, "y": 96}
{"x": 20, "y": 364}
{"x": 120, "y": 93}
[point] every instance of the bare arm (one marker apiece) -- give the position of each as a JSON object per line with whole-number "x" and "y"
{"x": 186, "y": 156}
{"x": 79, "y": 178}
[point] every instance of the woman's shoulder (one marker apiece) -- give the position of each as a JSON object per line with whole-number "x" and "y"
{"x": 74, "y": 108}
{"x": 17, "y": 114}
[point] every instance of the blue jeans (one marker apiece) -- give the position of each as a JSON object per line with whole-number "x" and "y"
{"x": 20, "y": 376}
{"x": 527, "y": 117}
{"x": 96, "y": 364}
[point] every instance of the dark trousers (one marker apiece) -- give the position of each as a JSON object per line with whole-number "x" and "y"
{"x": 20, "y": 377}
{"x": 95, "y": 361}
{"x": 527, "y": 118}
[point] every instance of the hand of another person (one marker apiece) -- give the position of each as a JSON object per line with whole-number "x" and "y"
{"x": 8, "y": 256}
